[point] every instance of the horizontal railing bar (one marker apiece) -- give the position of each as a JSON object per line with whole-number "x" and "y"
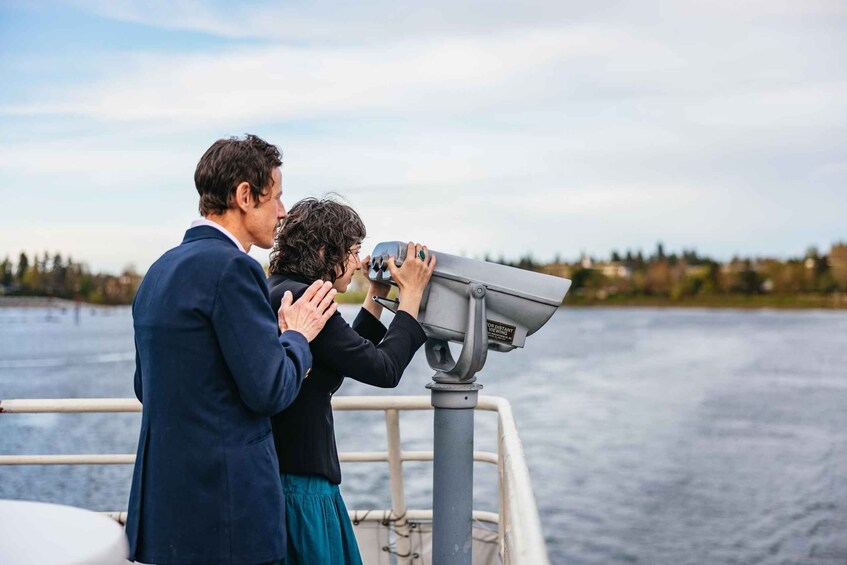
{"x": 377, "y": 456}
{"x": 69, "y": 405}
{"x": 485, "y": 457}
{"x": 412, "y": 515}
{"x": 483, "y": 516}
{"x": 381, "y": 403}
{"x": 88, "y": 459}
{"x": 95, "y": 405}
{"x": 129, "y": 459}
{"x": 369, "y": 516}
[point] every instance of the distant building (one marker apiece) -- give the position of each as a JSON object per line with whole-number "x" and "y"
{"x": 614, "y": 270}
{"x": 611, "y": 269}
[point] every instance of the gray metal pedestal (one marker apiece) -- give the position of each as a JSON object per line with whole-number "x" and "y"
{"x": 452, "y": 490}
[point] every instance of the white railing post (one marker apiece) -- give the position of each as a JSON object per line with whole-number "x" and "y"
{"x": 398, "y": 495}
{"x": 502, "y": 510}
{"x": 523, "y": 534}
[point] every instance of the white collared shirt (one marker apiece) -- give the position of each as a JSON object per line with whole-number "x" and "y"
{"x": 220, "y": 228}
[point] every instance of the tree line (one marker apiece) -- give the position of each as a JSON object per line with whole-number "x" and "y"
{"x": 659, "y": 275}
{"x": 59, "y": 277}
{"x": 677, "y": 276}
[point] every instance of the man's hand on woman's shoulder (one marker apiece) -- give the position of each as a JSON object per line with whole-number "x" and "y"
{"x": 311, "y": 311}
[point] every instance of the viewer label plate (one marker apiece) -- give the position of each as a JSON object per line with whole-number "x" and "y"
{"x": 498, "y": 331}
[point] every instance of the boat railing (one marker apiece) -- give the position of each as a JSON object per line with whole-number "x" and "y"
{"x": 519, "y": 535}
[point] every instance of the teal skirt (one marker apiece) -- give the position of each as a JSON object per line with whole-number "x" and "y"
{"x": 316, "y": 520}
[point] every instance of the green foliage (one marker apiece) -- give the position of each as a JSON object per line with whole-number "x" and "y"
{"x": 23, "y": 266}
{"x": 7, "y": 275}
{"x": 687, "y": 276}
{"x": 54, "y": 276}
{"x": 663, "y": 278}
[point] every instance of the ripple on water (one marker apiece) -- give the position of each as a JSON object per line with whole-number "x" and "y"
{"x": 652, "y": 436}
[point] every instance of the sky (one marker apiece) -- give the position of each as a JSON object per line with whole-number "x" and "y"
{"x": 550, "y": 128}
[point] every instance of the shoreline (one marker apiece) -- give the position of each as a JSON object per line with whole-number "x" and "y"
{"x": 732, "y": 302}
{"x": 726, "y": 302}
{"x": 7, "y": 301}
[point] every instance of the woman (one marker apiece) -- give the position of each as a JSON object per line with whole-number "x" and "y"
{"x": 321, "y": 239}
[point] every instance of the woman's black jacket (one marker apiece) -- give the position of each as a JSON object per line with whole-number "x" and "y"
{"x": 304, "y": 435}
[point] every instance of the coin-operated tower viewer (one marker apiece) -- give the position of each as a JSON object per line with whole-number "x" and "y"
{"x": 483, "y": 306}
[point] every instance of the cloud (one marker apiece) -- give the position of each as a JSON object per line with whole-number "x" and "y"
{"x": 832, "y": 169}
{"x": 106, "y": 245}
{"x": 329, "y": 22}
{"x": 95, "y": 158}
{"x": 806, "y": 106}
{"x": 544, "y": 126}
{"x": 273, "y": 83}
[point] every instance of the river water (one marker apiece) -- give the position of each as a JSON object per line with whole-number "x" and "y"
{"x": 653, "y": 436}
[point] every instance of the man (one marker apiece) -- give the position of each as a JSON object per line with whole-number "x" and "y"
{"x": 211, "y": 367}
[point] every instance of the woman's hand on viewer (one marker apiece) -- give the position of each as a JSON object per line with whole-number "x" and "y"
{"x": 412, "y": 276}
{"x": 375, "y": 289}
{"x": 311, "y": 311}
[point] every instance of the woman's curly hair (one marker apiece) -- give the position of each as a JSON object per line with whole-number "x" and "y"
{"x": 316, "y": 238}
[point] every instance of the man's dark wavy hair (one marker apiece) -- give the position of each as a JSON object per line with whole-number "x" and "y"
{"x": 315, "y": 238}
{"x": 228, "y": 163}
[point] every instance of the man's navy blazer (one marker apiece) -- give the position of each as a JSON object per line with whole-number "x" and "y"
{"x": 211, "y": 368}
